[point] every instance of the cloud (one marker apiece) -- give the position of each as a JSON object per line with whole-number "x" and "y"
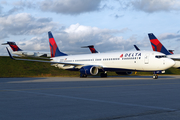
{"x": 1, "y": 8}
{"x": 36, "y": 43}
{"x": 27, "y": 4}
{"x": 21, "y": 27}
{"x": 25, "y": 24}
{"x": 169, "y": 36}
{"x": 9, "y": 8}
{"x": 72, "y": 7}
{"x": 151, "y": 6}
{"x": 72, "y": 38}
{"x": 80, "y": 31}
{"x": 12, "y": 10}
{"x": 118, "y": 16}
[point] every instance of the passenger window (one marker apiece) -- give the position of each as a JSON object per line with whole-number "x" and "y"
{"x": 160, "y": 56}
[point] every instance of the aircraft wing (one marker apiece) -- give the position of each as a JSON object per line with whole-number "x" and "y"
{"x": 176, "y": 59}
{"x": 52, "y": 62}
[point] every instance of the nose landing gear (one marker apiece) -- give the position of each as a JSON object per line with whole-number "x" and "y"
{"x": 155, "y": 76}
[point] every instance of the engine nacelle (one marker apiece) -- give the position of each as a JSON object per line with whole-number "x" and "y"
{"x": 159, "y": 72}
{"x": 123, "y": 73}
{"x": 89, "y": 70}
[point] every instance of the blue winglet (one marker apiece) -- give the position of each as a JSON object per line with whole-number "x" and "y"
{"x": 136, "y": 48}
{"x": 10, "y": 54}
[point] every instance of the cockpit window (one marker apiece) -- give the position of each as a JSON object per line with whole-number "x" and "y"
{"x": 160, "y": 56}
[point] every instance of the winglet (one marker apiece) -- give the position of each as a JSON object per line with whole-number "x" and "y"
{"x": 91, "y": 47}
{"x": 136, "y": 48}
{"x": 10, "y": 54}
{"x": 156, "y": 45}
{"x": 53, "y": 47}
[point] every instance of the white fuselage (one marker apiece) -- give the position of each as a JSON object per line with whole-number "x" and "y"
{"x": 118, "y": 61}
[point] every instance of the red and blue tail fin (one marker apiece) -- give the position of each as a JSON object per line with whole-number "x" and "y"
{"x": 13, "y": 46}
{"x": 156, "y": 45}
{"x": 92, "y": 49}
{"x": 55, "y": 52}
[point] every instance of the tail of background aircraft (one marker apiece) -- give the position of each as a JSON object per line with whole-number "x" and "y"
{"x": 171, "y": 51}
{"x": 91, "y": 47}
{"x": 156, "y": 45}
{"x": 13, "y": 46}
{"x": 53, "y": 47}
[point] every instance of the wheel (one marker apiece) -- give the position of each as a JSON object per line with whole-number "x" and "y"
{"x": 155, "y": 76}
{"x": 103, "y": 75}
{"x": 83, "y": 76}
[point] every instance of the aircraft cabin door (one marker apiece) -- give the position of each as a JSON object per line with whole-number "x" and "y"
{"x": 146, "y": 59}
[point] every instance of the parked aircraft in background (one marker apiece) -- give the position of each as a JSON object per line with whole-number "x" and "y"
{"x": 92, "y": 64}
{"x": 20, "y": 52}
{"x": 158, "y": 46}
{"x": 91, "y": 48}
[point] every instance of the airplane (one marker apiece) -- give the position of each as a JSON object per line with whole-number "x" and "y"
{"x": 21, "y": 53}
{"x": 158, "y": 46}
{"x": 92, "y": 64}
{"x": 91, "y": 48}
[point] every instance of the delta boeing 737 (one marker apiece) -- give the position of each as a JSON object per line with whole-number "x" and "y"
{"x": 92, "y": 64}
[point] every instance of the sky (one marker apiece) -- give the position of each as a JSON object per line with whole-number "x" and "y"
{"x": 109, "y": 25}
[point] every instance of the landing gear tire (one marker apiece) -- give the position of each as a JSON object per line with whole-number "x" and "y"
{"x": 83, "y": 76}
{"x": 103, "y": 75}
{"x": 155, "y": 76}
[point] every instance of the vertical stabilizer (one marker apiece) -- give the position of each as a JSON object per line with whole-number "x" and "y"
{"x": 13, "y": 46}
{"x": 53, "y": 47}
{"x": 91, "y": 48}
{"x": 156, "y": 45}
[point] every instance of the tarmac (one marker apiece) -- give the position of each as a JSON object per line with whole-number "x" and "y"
{"x": 92, "y": 98}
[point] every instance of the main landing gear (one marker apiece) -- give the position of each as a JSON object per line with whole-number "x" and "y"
{"x": 83, "y": 76}
{"x": 101, "y": 75}
{"x": 155, "y": 76}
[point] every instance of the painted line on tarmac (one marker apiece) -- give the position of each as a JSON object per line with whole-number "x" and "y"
{"x": 101, "y": 101}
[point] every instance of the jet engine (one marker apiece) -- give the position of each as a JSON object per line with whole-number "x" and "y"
{"x": 123, "y": 73}
{"x": 89, "y": 70}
